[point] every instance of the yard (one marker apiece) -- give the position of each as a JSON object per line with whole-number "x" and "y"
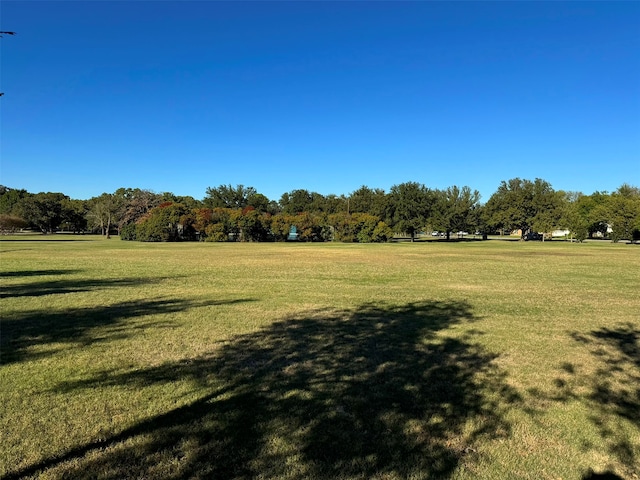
{"x": 461, "y": 360}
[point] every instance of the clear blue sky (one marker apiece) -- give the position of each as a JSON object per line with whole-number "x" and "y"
{"x": 326, "y": 96}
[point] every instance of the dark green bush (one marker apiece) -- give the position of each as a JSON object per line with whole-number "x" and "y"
{"x": 128, "y": 232}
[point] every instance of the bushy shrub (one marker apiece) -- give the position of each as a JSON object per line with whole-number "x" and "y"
{"x": 343, "y": 226}
{"x": 153, "y": 229}
{"x": 216, "y": 232}
{"x": 254, "y": 225}
{"x": 309, "y": 227}
{"x": 164, "y": 224}
{"x": 280, "y": 226}
{"x": 382, "y": 233}
{"x": 128, "y": 232}
{"x": 359, "y": 227}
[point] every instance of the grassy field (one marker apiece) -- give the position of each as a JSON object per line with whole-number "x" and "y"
{"x": 464, "y": 360}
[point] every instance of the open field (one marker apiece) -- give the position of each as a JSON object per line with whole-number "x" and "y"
{"x": 428, "y": 360}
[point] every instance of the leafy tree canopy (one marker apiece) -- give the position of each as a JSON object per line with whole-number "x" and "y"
{"x": 454, "y": 209}
{"x": 523, "y": 205}
{"x": 227, "y": 196}
{"x": 43, "y": 210}
{"x": 410, "y": 205}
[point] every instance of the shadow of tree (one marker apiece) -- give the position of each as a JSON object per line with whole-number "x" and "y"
{"x": 46, "y": 238}
{"x": 611, "y": 389}
{"x": 36, "y": 273}
{"x": 377, "y": 392}
{"x": 81, "y": 326}
{"x": 591, "y": 475}
{"x": 56, "y": 287}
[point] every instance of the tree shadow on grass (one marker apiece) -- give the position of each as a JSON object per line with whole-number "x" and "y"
{"x": 376, "y": 392}
{"x": 36, "y": 273}
{"x": 26, "y": 329}
{"x": 611, "y": 389}
{"x": 60, "y": 287}
{"x": 81, "y": 326}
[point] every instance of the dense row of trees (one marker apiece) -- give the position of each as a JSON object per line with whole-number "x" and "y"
{"x": 366, "y": 215}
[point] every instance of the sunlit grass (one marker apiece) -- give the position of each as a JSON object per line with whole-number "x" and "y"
{"x": 429, "y": 360}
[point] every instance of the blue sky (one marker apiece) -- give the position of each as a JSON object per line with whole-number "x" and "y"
{"x": 326, "y": 96}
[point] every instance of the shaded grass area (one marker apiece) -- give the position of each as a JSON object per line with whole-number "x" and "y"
{"x": 466, "y": 360}
{"x": 347, "y": 394}
{"x": 609, "y": 387}
{"x": 53, "y": 287}
{"x": 83, "y": 326}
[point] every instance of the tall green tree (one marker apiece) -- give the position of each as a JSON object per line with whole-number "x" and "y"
{"x": 524, "y": 205}
{"x": 596, "y": 210}
{"x": 624, "y": 213}
{"x": 43, "y": 210}
{"x": 301, "y": 200}
{"x": 410, "y": 205}
{"x": 262, "y": 204}
{"x": 186, "y": 200}
{"x": 104, "y": 212}
{"x": 573, "y": 218}
{"x": 10, "y": 198}
{"x": 227, "y": 196}
{"x": 333, "y": 204}
{"x": 588, "y": 215}
{"x": 549, "y": 208}
{"x": 368, "y": 200}
{"x": 454, "y": 209}
{"x": 74, "y": 215}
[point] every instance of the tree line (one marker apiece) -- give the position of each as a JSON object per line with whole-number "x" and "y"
{"x": 239, "y": 213}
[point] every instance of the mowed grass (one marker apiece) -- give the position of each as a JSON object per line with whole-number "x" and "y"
{"x": 429, "y": 360}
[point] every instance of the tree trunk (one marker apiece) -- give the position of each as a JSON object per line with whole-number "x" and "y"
{"x": 108, "y": 227}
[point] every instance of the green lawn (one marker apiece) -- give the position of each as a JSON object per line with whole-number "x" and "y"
{"x": 462, "y": 360}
